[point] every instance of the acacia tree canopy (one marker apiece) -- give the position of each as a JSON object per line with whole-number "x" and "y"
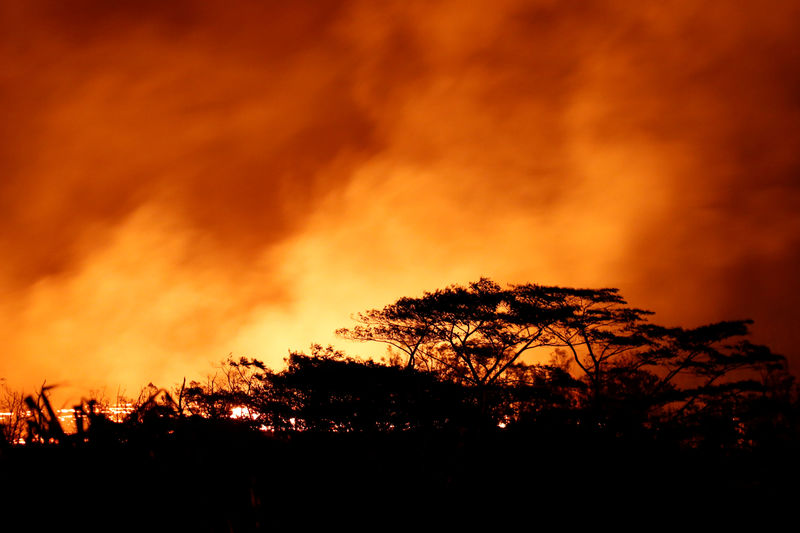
{"x": 471, "y": 334}
{"x": 478, "y": 334}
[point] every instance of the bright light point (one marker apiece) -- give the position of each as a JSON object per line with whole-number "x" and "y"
{"x": 241, "y": 412}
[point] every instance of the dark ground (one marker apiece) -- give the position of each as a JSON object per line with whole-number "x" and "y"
{"x": 203, "y": 477}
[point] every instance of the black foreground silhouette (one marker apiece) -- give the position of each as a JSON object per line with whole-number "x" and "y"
{"x": 457, "y": 428}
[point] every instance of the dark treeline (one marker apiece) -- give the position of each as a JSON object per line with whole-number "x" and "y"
{"x": 462, "y": 423}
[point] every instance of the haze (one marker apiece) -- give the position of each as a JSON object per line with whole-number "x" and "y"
{"x": 184, "y": 180}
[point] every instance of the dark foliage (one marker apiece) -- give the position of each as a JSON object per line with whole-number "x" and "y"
{"x": 463, "y": 429}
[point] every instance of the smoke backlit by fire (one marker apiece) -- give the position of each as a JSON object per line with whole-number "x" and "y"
{"x": 184, "y": 180}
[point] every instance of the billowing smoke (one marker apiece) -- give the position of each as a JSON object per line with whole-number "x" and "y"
{"x": 184, "y": 180}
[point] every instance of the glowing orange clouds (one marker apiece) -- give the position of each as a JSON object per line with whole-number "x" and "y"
{"x": 183, "y": 180}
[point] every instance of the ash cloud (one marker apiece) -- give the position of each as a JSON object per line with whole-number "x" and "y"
{"x": 191, "y": 178}
{"x": 236, "y": 120}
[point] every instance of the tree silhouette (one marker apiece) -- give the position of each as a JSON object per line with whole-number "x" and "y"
{"x": 477, "y": 336}
{"x": 598, "y": 330}
{"x": 467, "y": 424}
{"x": 471, "y": 335}
{"x": 12, "y": 404}
{"x": 625, "y": 358}
{"x": 231, "y": 390}
{"x": 341, "y": 394}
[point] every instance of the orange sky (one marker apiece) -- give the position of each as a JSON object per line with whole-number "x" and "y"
{"x": 183, "y": 180}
